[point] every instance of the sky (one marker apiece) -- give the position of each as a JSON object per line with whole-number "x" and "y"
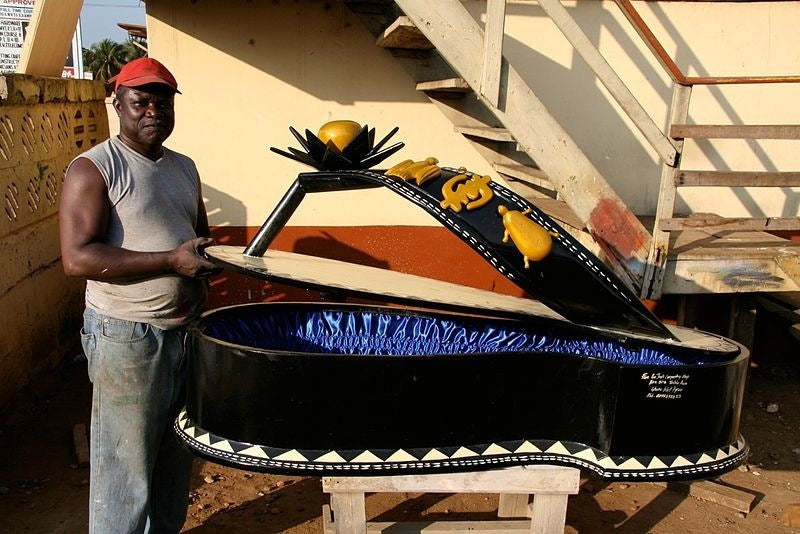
{"x": 99, "y": 19}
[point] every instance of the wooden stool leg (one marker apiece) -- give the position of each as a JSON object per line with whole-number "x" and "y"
{"x": 349, "y": 514}
{"x": 512, "y": 505}
{"x": 549, "y": 514}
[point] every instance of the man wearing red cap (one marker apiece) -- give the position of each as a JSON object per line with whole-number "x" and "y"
{"x": 132, "y": 222}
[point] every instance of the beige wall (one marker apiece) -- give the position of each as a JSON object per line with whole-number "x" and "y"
{"x": 249, "y": 70}
{"x": 704, "y": 39}
{"x": 44, "y": 123}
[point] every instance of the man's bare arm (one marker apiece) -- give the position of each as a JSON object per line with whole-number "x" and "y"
{"x": 83, "y": 221}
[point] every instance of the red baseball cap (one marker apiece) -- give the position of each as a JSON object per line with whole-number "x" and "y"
{"x": 143, "y": 71}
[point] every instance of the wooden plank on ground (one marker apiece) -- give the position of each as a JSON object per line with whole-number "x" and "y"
{"x": 402, "y": 33}
{"x": 81, "y": 443}
{"x": 735, "y": 131}
{"x": 732, "y": 224}
{"x": 707, "y": 490}
{"x": 736, "y": 179}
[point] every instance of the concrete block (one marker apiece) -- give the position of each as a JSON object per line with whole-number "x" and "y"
{"x": 20, "y": 89}
{"x": 54, "y": 89}
{"x": 72, "y": 91}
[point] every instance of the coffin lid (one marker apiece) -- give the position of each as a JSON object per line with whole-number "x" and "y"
{"x": 569, "y": 283}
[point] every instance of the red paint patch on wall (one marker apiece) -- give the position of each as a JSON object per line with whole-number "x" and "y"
{"x": 618, "y": 227}
{"x": 421, "y": 250}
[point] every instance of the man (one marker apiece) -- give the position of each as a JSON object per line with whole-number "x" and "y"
{"x": 132, "y": 222}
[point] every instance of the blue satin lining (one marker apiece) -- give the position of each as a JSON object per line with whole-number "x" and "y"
{"x": 371, "y": 333}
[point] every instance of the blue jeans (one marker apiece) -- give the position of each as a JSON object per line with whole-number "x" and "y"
{"x": 139, "y": 480}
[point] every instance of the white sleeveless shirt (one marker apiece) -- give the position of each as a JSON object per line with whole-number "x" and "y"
{"x": 153, "y": 208}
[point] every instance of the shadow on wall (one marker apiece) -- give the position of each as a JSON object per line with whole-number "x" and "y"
{"x": 306, "y": 45}
{"x": 561, "y": 88}
{"x": 686, "y": 59}
{"x": 222, "y": 208}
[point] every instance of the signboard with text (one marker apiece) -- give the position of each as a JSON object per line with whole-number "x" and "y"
{"x": 15, "y": 15}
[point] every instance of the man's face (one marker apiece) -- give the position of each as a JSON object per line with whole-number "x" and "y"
{"x": 146, "y": 114}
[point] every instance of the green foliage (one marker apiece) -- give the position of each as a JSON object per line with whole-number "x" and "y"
{"x": 106, "y": 57}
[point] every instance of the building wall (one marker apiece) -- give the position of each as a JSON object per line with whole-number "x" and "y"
{"x": 44, "y": 123}
{"x": 249, "y": 70}
{"x": 704, "y": 39}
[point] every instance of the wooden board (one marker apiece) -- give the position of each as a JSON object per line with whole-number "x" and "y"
{"x": 736, "y": 179}
{"x": 329, "y": 275}
{"x": 326, "y": 275}
{"x": 431, "y": 527}
{"x": 710, "y": 261}
{"x": 487, "y": 132}
{"x": 453, "y": 85}
{"x": 539, "y": 479}
{"x": 49, "y": 37}
{"x": 549, "y": 484}
{"x": 711, "y": 491}
{"x": 721, "y": 223}
{"x": 403, "y": 34}
{"x": 735, "y": 131}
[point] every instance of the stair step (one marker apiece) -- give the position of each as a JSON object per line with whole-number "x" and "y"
{"x": 716, "y": 223}
{"x": 487, "y": 132}
{"x": 402, "y": 33}
{"x": 451, "y": 85}
{"x": 736, "y": 178}
{"x": 527, "y": 174}
{"x": 558, "y": 210}
{"x": 734, "y": 131}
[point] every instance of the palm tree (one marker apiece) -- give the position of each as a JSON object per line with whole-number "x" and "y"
{"x": 105, "y": 58}
{"x": 134, "y": 50}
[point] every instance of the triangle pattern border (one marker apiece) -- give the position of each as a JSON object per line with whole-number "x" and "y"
{"x": 572, "y": 454}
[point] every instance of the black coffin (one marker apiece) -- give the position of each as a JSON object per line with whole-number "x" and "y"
{"x": 327, "y": 389}
{"x": 457, "y": 379}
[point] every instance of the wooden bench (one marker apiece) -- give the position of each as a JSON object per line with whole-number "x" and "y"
{"x": 549, "y": 485}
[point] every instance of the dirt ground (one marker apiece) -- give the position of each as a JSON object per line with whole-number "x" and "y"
{"x": 42, "y": 490}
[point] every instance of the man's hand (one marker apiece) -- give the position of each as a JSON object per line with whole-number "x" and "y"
{"x": 187, "y": 259}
